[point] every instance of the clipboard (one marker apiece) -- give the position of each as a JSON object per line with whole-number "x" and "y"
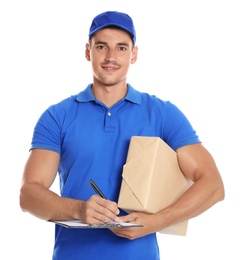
{"x": 80, "y": 224}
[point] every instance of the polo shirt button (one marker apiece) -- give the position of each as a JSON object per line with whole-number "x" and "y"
{"x": 109, "y": 113}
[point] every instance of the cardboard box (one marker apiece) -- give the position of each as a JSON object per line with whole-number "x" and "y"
{"x": 152, "y": 179}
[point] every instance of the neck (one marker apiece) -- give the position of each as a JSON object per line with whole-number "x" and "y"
{"x": 109, "y": 95}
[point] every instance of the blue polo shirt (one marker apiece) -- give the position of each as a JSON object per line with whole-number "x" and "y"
{"x": 93, "y": 141}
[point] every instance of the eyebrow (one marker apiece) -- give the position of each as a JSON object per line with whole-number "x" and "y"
{"x": 119, "y": 43}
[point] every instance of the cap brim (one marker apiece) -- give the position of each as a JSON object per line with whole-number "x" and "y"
{"x": 109, "y": 25}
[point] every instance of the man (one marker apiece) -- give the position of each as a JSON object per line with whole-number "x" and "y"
{"x": 86, "y": 136}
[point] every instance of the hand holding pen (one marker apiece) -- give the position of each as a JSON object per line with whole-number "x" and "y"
{"x": 100, "y": 193}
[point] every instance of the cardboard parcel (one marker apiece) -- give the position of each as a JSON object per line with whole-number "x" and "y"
{"x": 152, "y": 179}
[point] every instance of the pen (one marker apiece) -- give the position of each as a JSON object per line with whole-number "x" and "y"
{"x": 95, "y": 187}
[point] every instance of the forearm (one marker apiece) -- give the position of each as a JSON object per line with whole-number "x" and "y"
{"x": 198, "y": 198}
{"x": 45, "y": 204}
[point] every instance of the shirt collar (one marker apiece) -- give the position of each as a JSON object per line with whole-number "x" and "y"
{"x": 86, "y": 95}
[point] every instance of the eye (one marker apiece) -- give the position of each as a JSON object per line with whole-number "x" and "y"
{"x": 100, "y": 47}
{"x": 122, "y": 48}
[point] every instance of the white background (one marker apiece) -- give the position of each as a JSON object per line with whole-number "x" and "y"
{"x": 188, "y": 53}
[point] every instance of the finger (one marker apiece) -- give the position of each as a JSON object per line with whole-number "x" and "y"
{"x": 100, "y": 209}
{"x": 124, "y": 232}
{"x": 110, "y": 205}
{"x": 127, "y": 218}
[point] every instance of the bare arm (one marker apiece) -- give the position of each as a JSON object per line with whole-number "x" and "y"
{"x": 198, "y": 165}
{"x": 36, "y": 197}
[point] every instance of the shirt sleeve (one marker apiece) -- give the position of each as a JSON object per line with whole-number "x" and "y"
{"x": 178, "y": 129}
{"x": 47, "y": 132}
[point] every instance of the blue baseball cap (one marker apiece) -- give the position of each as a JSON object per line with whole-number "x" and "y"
{"x": 113, "y": 18}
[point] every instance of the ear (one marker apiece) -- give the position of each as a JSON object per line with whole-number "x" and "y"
{"x": 87, "y": 51}
{"x": 134, "y": 55}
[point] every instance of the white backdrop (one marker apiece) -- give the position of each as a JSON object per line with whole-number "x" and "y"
{"x": 188, "y": 53}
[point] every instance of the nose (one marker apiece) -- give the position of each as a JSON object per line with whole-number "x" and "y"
{"x": 110, "y": 55}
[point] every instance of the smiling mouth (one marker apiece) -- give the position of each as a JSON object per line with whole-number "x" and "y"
{"x": 109, "y": 69}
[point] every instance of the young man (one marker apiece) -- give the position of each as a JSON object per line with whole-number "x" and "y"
{"x": 86, "y": 136}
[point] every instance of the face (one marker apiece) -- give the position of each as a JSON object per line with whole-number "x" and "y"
{"x": 111, "y": 52}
